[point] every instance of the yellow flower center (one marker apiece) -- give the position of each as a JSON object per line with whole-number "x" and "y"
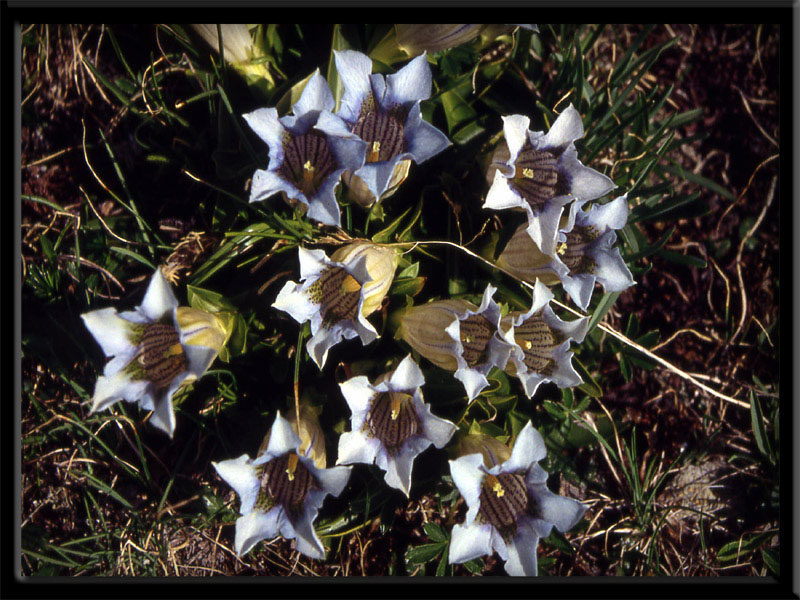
{"x": 291, "y": 466}
{"x": 527, "y": 173}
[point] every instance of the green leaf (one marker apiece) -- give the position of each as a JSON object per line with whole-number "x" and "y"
{"x": 419, "y": 555}
{"x": 772, "y": 561}
{"x": 433, "y": 531}
{"x": 407, "y": 286}
{"x": 759, "y": 431}
{"x": 605, "y": 304}
{"x": 589, "y": 385}
{"x": 682, "y": 259}
{"x": 338, "y": 43}
{"x": 133, "y": 255}
{"x": 456, "y": 110}
{"x": 698, "y": 179}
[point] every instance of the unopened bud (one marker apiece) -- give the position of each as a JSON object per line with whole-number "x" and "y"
{"x": 381, "y": 263}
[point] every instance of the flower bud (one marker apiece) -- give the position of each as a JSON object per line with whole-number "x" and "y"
{"x": 359, "y": 192}
{"x": 415, "y": 39}
{"x": 522, "y": 258}
{"x": 381, "y": 263}
{"x": 312, "y": 439}
{"x": 494, "y": 452}
{"x": 239, "y": 49}
{"x": 424, "y": 329}
{"x": 201, "y": 328}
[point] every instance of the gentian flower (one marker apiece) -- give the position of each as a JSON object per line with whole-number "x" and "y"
{"x": 509, "y": 506}
{"x": 245, "y": 56}
{"x": 336, "y": 295}
{"x": 390, "y": 423}
{"x": 456, "y": 335}
{"x": 540, "y": 343}
{"x": 543, "y": 174}
{"x": 585, "y": 253}
{"x": 385, "y": 113}
{"x": 156, "y": 349}
{"x": 308, "y": 152}
{"x": 281, "y": 492}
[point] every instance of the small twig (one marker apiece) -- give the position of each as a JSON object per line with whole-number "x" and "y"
{"x": 748, "y": 235}
{"x": 677, "y": 333}
{"x": 757, "y": 124}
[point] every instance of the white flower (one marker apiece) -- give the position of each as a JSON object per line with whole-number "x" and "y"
{"x": 308, "y": 152}
{"x": 391, "y": 424}
{"x": 543, "y": 174}
{"x": 281, "y": 492}
{"x": 458, "y": 336}
{"x": 540, "y": 343}
{"x": 153, "y": 355}
{"x": 331, "y": 296}
{"x": 584, "y": 253}
{"x": 509, "y": 506}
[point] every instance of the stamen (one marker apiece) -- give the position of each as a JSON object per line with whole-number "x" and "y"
{"x": 528, "y": 173}
{"x": 161, "y": 355}
{"x": 292, "y": 466}
{"x": 392, "y": 419}
{"x": 562, "y": 248}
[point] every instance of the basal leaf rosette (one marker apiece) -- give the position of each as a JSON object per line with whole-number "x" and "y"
{"x": 336, "y": 296}
{"x": 385, "y": 113}
{"x": 281, "y": 492}
{"x": 509, "y": 506}
{"x": 391, "y": 423}
{"x": 456, "y": 335}
{"x": 308, "y": 152}
{"x": 540, "y": 343}
{"x": 543, "y": 174}
{"x": 154, "y": 349}
{"x": 585, "y": 253}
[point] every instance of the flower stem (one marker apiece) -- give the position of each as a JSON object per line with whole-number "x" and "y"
{"x": 297, "y": 353}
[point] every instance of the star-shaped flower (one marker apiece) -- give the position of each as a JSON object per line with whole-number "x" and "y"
{"x": 543, "y": 174}
{"x": 391, "y": 424}
{"x": 385, "y": 113}
{"x": 458, "y": 336}
{"x": 336, "y": 296}
{"x": 585, "y": 253}
{"x": 540, "y": 343}
{"x": 155, "y": 351}
{"x": 308, "y": 152}
{"x": 509, "y": 506}
{"x": 281, "y": 492}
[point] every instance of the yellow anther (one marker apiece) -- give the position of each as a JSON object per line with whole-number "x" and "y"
{"x": 308, "y": 166}
{"x": 496, "y": 486}
{"x": 527, "y": 343}
{"x": 395, "y": 406}
{"x": 291, "y": 467}
{"x": 374, "y": 152}
{"x": 174, "y": 350}
{"x": 467, "y": 339}
{"x": 527, "y": 173}
{"x": 562, "y": 248}
{"x": 350, "y": 284}
{"x": 376, "y": 147}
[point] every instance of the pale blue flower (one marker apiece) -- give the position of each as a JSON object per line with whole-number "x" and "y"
{"x": 152, "y": 354}
{"x": 390, "y": 423}
{"x": 281, "y": 492}
{"x": 331, "y": 296}
{"x": 509, "y": 506}
{"x": 308, "y": 152}
{"x": 385, "y": 113}
{"x": 540, "y": 343}
{"x": 543, "y": 174}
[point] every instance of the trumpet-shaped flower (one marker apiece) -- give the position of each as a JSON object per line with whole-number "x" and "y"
{"x": 458, "y": 336}
{"x": 390, "y": 423}
{"x": 509, "y": 506}
{"x": 281, "y": 492}
{"x": 385, "y": 113}
{"x": 156, "y": 348}
{"x": 336, "y": 295}
{"x": 543, "y": 174}
{"x": 585, "y": 253}
{"x": 308, "y": 152}
{"x": 540, "y": 343}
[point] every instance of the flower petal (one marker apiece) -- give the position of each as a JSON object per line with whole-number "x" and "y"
{"x": 333, "y": 480}
{"x": 282, "y": 439}
{"x": 567, "y": 128}
{"x": 268, "y": 127}
{"x": 473, "y": 381}
{"x": 358, "y": 392}
{"x": 293, "y": 300}
{"x": 306, "y": 540}
{"x": 355, "y": 447}
{"x": 501, "y": 196}
{"x": 562, "y": 512}
{"x": 467, "y": 474}
{"x": 398, "y": 467}
{"x": 119, "y": 386}
{"x": 522, "y": 552}
{"x": 580, "y": 288}
{"x": 584, "y": 183}
{"x": 268, "y": 183}
{"x": 437, "y": 430}
{"x": 163, "y": 416}
{"x": 528, "y": 448}
{"x": 324, "y": 339}
{"x": 543, "y": 228}
{"x": 354, "y": 69}
{"x": 159, "y": 299}
{"x": 377, "y": 176}
{"x": 469, "y": 542}
{"x": 322, "y": 206}
{"x": 407, "y": 376}
{"x": 348, "y": 149}
{"x": 110, "y": 330}
{"x": 612, "y": 271}
{"x": 426, "y": 141}
{"x": 241, "y": 476}
{"x": 254, "y": 527}
{"x": 198, "y": 359}
{"x": 316, "y": 96}
{"x": 515, "y": 132}
{"x": 611, "y": 215}
{"x": 409, "y": 84}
